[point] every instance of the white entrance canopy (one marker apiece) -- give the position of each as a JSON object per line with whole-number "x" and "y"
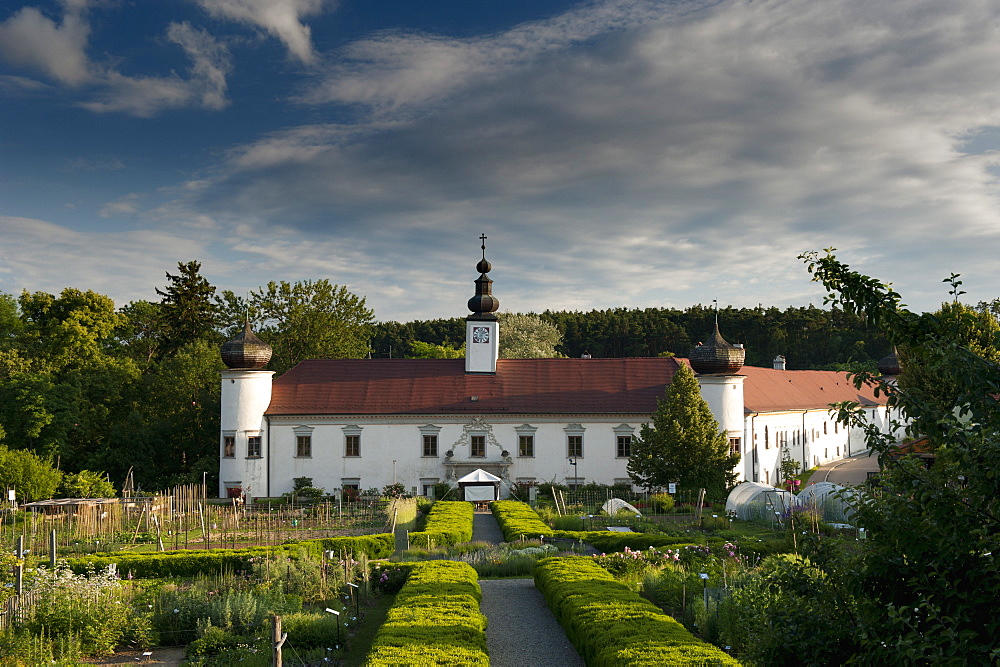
{"x": 479, "y": 475}
{"x": 480, "y": 486}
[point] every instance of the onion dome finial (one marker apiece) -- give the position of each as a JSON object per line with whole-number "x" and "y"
{"x": 717, "y": 357}
{"x": 246, "y": 351}
{"x": 483, "y": 304}
{"x": 889, "y": 365}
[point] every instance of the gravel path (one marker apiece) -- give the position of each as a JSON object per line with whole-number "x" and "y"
{"x": 522, "y": 631}
{"x": 485, "y": 528}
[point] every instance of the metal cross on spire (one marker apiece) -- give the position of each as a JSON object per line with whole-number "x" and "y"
{"x": 482, "y": 238}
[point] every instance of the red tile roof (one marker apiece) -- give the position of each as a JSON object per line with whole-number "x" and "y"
{"x": 523, "y": 386}
{"x": 770, "y": 390}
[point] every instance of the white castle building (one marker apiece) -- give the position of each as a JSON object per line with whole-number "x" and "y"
{"x": 364, "y": 423}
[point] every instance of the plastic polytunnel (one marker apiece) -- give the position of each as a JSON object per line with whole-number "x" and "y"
{"x": 753, "y": 501}
{"x": 832, "y": 501}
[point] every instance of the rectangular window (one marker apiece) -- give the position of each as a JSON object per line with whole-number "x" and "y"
{"x": 574, "y": 446}
{"x": 350, "y": 491}
{"x": 253, "y": 447}
{"x": 430, "y": 445}
{"x": 624, "y": 446}
{"x": 478, "y": 446}
{"x": 303, "y": 445}
{"x": 352, "y": 445}
{"x": 229, "y": 446}
{"x": 734, "y": 446}
{"x": 824, "y": 428}
{"x": 526, "y": 445}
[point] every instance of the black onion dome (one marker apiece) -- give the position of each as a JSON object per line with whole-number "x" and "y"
{"x": 246, "y": 351}
{"x": 717, "y": 357}
{"x": 889, "y": 365}
{"x": 484, "y": 304}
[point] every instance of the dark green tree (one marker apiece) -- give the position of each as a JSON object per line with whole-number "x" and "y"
{"x": 684, "y": 443}
{"x": 929, "y": 575}
{"x": 188, "y": 310}
{"x": 305, "y": 320}
{"x": 975, "y": 330}
{"x": 138, "y": 335}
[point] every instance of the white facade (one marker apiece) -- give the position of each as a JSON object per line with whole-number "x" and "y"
{"x": 515, "y": 448}
{"x": 243, "y": 453}
{"x": 366, "y": 452}
{"x": 813, "y": 436}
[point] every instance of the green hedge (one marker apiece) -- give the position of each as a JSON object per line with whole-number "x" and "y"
{"x": 449, "y": 522}
{"x": 435, "y": 619}
{"x": 516, "y": 519}
{"x": 188, "y": 563}
{"x": 611, "y": 625}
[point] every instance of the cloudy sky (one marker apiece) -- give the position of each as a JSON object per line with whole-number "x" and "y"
{"x": 616, "y": 153}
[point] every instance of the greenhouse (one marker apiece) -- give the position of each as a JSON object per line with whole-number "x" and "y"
{"x": 832, "y": 501}
{"x": 753, "y": 501}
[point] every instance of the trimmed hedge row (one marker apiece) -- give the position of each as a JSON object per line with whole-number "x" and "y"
{"x": 611, "y": 625}
{"x": 187, "y": 563}
{"x": 435, "y": 619}
{"x": 449, "y": 522}
{"x": 516, "y": 519}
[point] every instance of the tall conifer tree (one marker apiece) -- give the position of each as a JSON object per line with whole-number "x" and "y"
{"x": 188, "y": 310}
{"x": 684, "y": 444}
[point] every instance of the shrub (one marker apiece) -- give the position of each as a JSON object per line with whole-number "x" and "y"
{"x": 94, "y": 608}
{"x": 662, "y": 503}
{"x": 192, "y": 563}
{"x": 449, "y": 522}
{"x": 517, "y": 519}
{"x": 434, "y": 620}
{"x": 611, "y": 625}
{"x": 790, "y": 607}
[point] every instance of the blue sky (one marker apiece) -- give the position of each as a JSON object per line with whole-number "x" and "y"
{"x": 620, "y": 153}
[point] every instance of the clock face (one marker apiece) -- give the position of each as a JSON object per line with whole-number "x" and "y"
{"x": 480, "y": 334}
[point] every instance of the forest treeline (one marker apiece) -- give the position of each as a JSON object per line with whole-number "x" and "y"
{"x": 808, "y": 337}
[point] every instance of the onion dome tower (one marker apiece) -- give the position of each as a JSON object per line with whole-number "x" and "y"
{"x": 481, "y": 327}
{"x": 717, "y": 364}
{"x": 717, "y": 357}
{"x": 246, "y": 351}
{"x": 246, "y": 393}
{"x": 888, "y": 366}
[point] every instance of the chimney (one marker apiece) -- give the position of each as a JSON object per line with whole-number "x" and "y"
{"x": 779, "y": 363}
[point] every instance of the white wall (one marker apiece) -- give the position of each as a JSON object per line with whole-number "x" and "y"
{"x": 402, "y": 441}
{"x": 245, "y": 397}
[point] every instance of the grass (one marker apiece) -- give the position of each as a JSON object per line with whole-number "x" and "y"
{"x": 360, "y": 643}
{"x": 804, "y": 477}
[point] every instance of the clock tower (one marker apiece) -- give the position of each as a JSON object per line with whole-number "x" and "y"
{"x": 482, "y": 345}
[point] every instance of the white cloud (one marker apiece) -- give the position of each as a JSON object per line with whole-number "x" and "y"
{"x": 30, "y": 39}
{"x": 282, "y": 19}
{"x": 394, "y": 69}
{"x": 205, "y": 86}
{"x": 123, "y": 206}
{"x": 124, "y": 265}
{"x": 752, "y": 130}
